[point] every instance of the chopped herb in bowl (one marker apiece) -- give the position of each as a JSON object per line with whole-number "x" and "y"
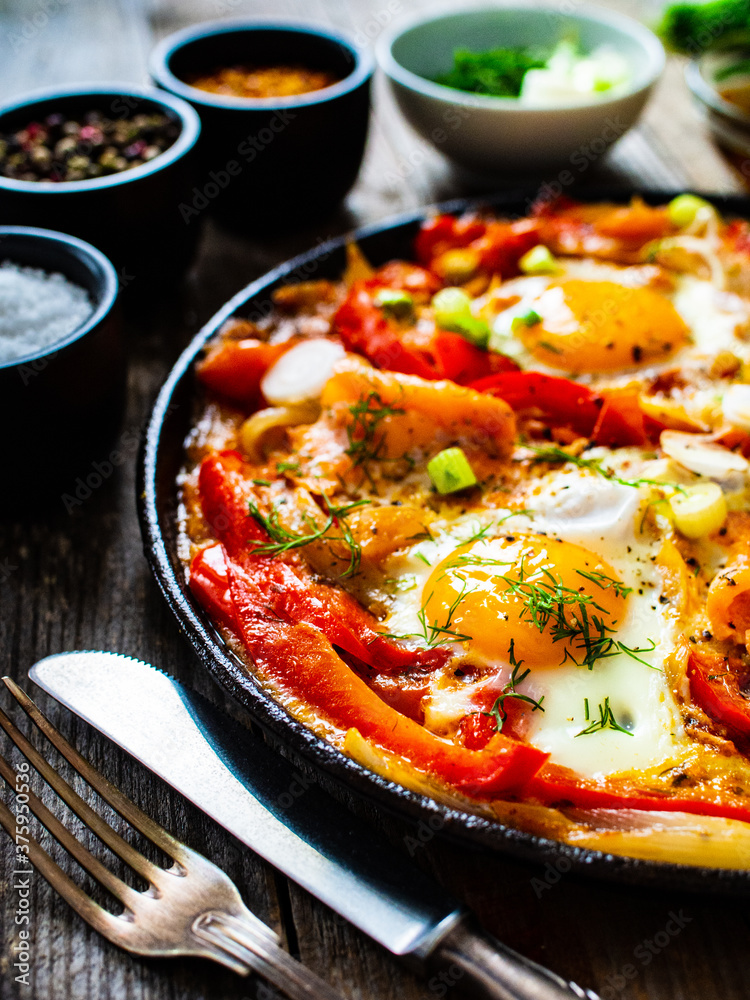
{"x": 497, "y": 72}
{"x": 561, "y": 75}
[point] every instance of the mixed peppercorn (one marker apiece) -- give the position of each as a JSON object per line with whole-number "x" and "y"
{"x": 59, "y": 148}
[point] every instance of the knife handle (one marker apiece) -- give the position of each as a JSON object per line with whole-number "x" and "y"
{"x": 478, "y": 966}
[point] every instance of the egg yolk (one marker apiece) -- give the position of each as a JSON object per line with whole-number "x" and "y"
{"x": 554, "y": 600}
{"x": 600, "y": 326}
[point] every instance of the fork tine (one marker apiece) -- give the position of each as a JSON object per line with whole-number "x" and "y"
{"x": 119, "y": 889}
{"x": 92, "y": 819}
{"x": 94, "y": 915}
{"x": 121, "y": 803}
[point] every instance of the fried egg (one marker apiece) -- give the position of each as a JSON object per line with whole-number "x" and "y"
{"x": 507, "y": 588}
{"x": 597, "y": 319}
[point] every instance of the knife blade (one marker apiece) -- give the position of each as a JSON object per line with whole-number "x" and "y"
{"x": 259, "y": 797}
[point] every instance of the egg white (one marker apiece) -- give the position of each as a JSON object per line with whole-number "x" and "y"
{"x": 717, "y": 320}
{"x": 605, "y": 517}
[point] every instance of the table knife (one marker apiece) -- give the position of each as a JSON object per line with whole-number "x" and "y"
{"x": 258, "y": 796}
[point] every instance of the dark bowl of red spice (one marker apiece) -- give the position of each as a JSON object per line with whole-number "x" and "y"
{"x": 270, "y": 157}
{"x": 110, "y": 165}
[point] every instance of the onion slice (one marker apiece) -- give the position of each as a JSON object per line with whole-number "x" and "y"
{"x": 700, "y": 454}
{"x": 735, "y": 406}
{"x": 300, "y": 374}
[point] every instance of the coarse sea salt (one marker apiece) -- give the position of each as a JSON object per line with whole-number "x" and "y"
{"x": 37, "y": 310}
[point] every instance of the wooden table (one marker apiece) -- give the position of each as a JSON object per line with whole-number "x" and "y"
{"x": 80, "y": 581}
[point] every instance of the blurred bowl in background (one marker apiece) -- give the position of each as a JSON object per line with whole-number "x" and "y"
{"x": 495, "y": 134}
{"x": 61, "y": 405}
{"x": 132, "y": 216}
{"x": 724, "y": 98}
{"x": 275, "y": 161}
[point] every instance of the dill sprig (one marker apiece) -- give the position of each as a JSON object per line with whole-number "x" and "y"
{"x": 606, "y": 720}
{"x": 605, "y": 582}
{"x": 365, "y": 444}
{"x": 284, "y": 540}
{"x": 569, "y": 615}
{"x": 483, "y": 533}
{"x": 498, "y": 711}
{"x": 554, "y": 454}
{"x": 432, "y": 632}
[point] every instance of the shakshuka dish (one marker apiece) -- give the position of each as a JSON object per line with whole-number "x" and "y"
{"x": 481, "y": 519}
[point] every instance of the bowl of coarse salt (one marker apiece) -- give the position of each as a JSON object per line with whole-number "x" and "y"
{"x": 62, "y": 364}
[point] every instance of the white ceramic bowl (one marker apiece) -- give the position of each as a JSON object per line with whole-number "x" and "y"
{"x": 498, "y": 133}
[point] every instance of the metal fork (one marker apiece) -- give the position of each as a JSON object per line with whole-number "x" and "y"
{"x": 191, "y": 908}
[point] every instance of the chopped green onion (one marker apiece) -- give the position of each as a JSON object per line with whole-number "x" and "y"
{"x": 538, "y": 260}
{"x": 531, "y": 318}
{"x": 700, "y": 510}
{"x": 684, "y": 208}
{"x": 453, "y": 312}
{"x": 396, "y": 302}
{"x": 450, "y": 304}
{"x": 450, "y": 471}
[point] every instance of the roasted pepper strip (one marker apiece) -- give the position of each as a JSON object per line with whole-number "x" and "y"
{"x": 560, "y": 787}
{"x": 497, "y": 246}
{"x": 716, "y": 685}
{"x": 620, "y": 421}
{"x": 610, "y": 418}
{"x": 557, "y": 400}
{"x": 234, "y": 368}
{"x": 409, "y": 348}
{"x": 301, "y": 659}
{"x": 289, "y": 588}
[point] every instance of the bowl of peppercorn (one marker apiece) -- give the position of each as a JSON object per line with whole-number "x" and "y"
{"x": 284, "y": 108}
{"x": 111, "y": 165}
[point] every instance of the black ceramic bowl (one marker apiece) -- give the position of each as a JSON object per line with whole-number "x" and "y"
{"x": 133, "y": 217}
{"x": 272, "y": 161}
{"x": 160, "y": 464}
{"x": 61, "y": 406}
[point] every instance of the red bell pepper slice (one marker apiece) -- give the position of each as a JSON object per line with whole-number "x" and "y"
{"x": 209, "y": 581}
{"x": 620, "y": 422}
{"x": 610, "y": 419}
{"x": 504, "y": 243}
{"x": 716, "y": 683}
{"x": 446, "y": 232}
{"x": 289, "y": 588}
{"x": 498, "y": 245}
{"x": 365, "y": 329}
{"x": 559, "y": 401}
{"x": 302, "y": 660}
{"x": 558, "y": 786}
{"x": 234, "y": 368}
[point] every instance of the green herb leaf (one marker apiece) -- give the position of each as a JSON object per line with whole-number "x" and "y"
{"x": 606, "y": 720}
{"x": 283, "y": 540}
{"x": 498, "y": 711}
